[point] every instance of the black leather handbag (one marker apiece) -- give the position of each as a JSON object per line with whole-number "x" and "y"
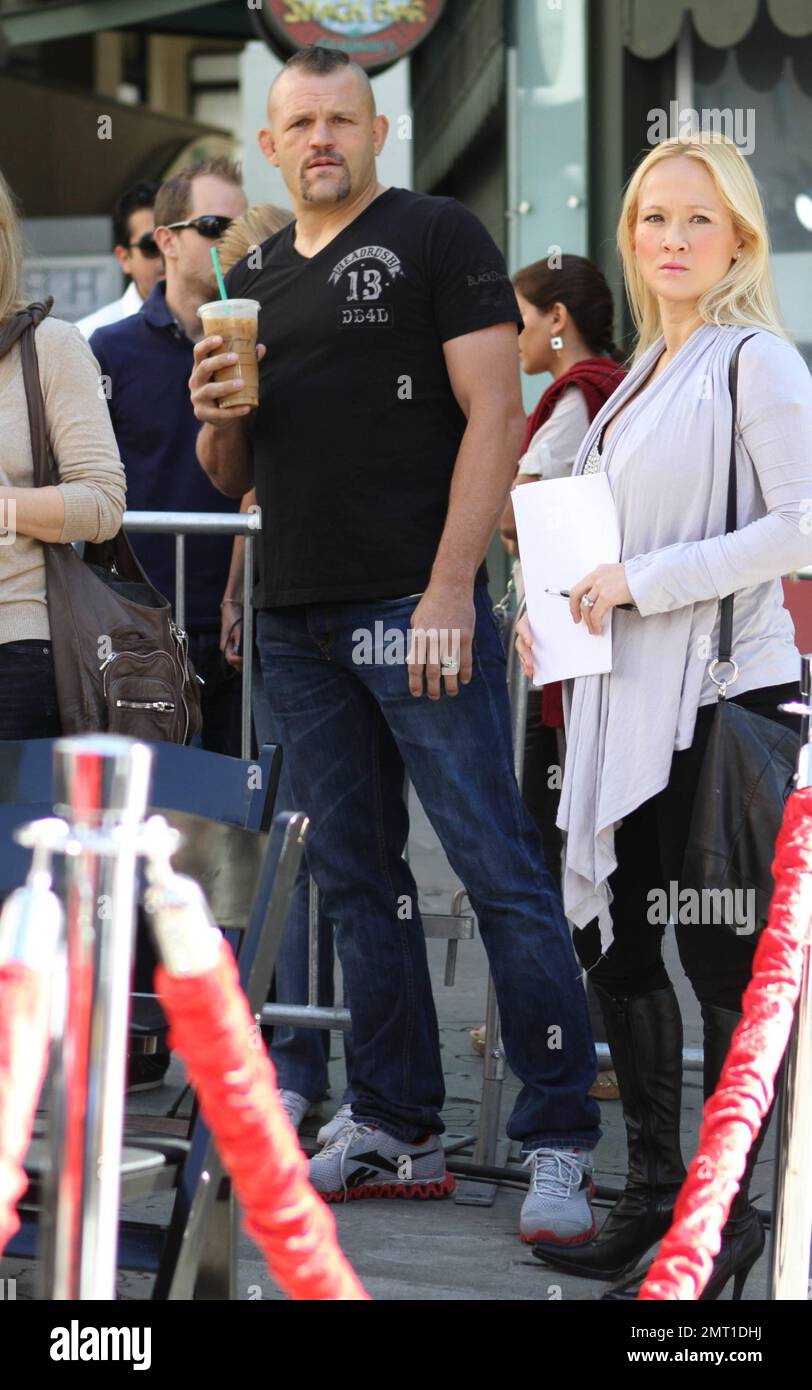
{"x": 746, "y": 776}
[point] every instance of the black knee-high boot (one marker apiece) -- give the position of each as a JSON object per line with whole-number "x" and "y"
{"x": 743, "y": 1235}
{"x": 645, "y": 1038}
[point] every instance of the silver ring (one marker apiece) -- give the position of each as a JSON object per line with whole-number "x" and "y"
{"x": 720, "y": 683}
{"x": 587, "y": 602}
{"x": 450, "y": 666}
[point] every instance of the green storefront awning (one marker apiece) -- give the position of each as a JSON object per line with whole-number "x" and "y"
{"x": 41, "y": 21}
{"x": 651, "y": 27}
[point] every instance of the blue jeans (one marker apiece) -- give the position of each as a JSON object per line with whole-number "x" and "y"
{"x": 301, "y": 1056}
{"x": 347, "y": 729}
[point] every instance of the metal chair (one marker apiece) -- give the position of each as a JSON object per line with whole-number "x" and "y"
{"x": 222, "y": 805}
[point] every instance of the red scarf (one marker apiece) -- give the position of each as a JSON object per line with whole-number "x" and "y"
{"x": 597, "y": 378}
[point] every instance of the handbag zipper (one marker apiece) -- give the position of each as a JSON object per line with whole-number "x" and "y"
{"x": 181, "y": 641}
{"x": 161, "y": 705}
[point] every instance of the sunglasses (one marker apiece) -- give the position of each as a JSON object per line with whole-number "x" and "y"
{"x": 147, "y": 245}
{"x": 209, "y": 225}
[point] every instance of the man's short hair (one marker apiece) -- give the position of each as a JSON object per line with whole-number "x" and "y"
{"x": 174, "y": 200}
{"x": 141, "y": 195}
{"x": 321, "y": 61}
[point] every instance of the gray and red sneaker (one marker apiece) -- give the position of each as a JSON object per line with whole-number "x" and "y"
{"x": 557, "y": 1207}
{"x": 364, "y": 1161}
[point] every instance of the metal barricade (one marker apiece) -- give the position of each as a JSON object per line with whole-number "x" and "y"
{"x": 183, "y": 524}
{"x": 451, "y": 927}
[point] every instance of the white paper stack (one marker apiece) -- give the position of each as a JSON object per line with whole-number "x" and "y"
{"x": 566, "y": 527}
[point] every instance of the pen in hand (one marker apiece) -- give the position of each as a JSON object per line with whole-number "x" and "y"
{"x": 565, "y": 593}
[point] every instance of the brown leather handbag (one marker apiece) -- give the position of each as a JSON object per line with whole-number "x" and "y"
{"x": 120, "y": 663}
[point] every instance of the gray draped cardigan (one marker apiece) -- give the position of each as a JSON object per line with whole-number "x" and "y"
{"x": 667, "y": 462}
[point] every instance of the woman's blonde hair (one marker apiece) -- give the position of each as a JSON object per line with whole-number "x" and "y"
{"x": 11, "y": 254}
{"x": 248, "y": 230}
{"x": 745, "y": 295}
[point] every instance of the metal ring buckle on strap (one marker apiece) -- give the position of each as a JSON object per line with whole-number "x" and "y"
{"x": 720, "y": 682}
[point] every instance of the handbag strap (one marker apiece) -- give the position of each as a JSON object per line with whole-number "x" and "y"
{"x": 21, "y": 327}
{"x": 726, "y": 606}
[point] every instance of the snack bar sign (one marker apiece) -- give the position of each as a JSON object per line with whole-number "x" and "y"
{"x": 374, "y": 33}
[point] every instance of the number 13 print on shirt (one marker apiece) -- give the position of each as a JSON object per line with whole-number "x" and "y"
{"x": 363, "y": 283}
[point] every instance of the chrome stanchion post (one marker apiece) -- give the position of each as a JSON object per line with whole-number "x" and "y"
{"x": 101, "y": 784}
{"x": 792, "y": 1188}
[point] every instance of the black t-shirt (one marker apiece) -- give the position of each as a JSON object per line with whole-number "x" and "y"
{"x": 357, "y": 429}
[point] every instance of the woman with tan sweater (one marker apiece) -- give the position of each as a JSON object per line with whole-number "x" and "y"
{"x": 86, "y": 503}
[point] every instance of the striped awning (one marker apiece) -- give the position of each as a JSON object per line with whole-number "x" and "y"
{"x": 651, "y": 27}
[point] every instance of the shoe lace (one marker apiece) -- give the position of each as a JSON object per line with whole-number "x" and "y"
{"x": 551, "y": 1170}
{"x": 345, "y": 1136}
{"x": 341, "y": 1143}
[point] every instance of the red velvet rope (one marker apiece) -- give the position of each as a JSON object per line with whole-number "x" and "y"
{"x": 733, "y": 1115}
{"x": 212, "y": 1028}
{"x": 24, "y": 1037}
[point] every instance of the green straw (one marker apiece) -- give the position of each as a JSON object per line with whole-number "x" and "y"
{"x": 221, "y": 285}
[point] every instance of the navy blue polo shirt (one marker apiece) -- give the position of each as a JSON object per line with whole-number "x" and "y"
{"x": 148, "y": 360}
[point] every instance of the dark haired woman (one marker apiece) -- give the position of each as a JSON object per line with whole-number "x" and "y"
{"x": 568, "y": 316}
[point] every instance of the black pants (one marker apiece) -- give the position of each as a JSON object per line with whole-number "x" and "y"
{"x": 541, "y": 785}
{"x": 28, "y": 706}
{"x": 650, "y": 846}
{"x": 541, "y": 790}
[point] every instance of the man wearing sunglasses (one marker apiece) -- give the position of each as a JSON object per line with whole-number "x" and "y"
{"x": 137, "y": 253}
{"x": 145, "y": 362}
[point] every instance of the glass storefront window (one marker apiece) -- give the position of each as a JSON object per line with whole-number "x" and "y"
{"x": 547, "y": 140}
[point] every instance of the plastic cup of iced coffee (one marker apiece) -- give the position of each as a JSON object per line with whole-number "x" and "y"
{"x": 235, "y": 321}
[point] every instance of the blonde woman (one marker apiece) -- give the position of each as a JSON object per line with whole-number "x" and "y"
{"x": 247, "y": 232}
{"x": 694, "y": 244}
{"x": 85, "y": 503}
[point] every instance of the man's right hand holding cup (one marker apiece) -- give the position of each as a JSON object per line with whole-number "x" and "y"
{"x": 206, "y": 393}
